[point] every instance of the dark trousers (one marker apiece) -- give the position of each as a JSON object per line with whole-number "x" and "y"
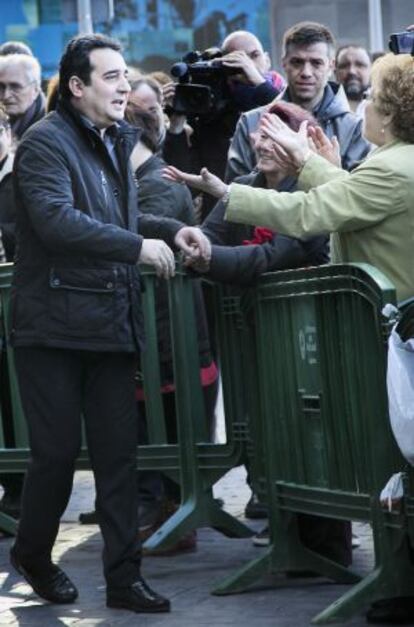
{"x": 57, "y": 387}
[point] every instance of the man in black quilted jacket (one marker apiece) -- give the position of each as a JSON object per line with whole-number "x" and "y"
{"x": 76, "y": 318}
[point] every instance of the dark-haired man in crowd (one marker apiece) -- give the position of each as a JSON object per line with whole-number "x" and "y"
{"x": 20, "y": 91}
{"x": 308, "y": 61}
{"x": 353, "y": 69}
{"x": 77, "y": 323}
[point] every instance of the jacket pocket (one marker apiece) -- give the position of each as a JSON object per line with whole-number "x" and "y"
{"x": 82, "y": 301}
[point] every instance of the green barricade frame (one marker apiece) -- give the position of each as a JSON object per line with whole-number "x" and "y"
{"x": 193, "y": 462}
{"x": 329, "y": 448}
{"x": 239, "y": 373}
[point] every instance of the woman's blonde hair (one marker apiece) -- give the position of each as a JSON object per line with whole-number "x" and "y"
{"x": 392, "y": 79}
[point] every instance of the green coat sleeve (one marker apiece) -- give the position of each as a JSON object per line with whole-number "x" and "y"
{"x": 348, "y": 202}
{"x": 318, "y": 171}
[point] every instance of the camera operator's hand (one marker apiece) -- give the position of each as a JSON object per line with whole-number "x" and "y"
{"x": 177, "y": 120}
{"x": 156, "y": 253}
{"x": 168, "y": 93}
{"x": 239, "y": 60}
{"x": 205, "y": 181}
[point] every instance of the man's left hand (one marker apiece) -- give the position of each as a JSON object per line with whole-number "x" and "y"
{"x": 193, "y": 243}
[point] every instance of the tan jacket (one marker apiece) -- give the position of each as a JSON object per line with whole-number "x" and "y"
{"x": 371, "y": 210}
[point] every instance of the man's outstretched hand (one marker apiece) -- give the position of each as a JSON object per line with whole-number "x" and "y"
{"x": 194, "y": 244}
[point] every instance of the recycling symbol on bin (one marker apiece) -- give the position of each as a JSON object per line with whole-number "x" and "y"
{"x": 307, "y": 344}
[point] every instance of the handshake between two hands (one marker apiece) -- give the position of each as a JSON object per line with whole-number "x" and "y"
{"x": 190, "y": 240}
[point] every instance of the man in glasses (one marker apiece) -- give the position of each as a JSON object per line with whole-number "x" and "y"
{"x": 20, "y": 93}
{"x": 23, "y": 105}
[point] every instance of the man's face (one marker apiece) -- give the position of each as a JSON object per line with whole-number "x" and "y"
{"x": 353, "y": 68}
{"x": 17, "y": 91}
{"x": 146, "y": 98}
{"x": 103, "y": 101}
{"x": 307, "y": 70}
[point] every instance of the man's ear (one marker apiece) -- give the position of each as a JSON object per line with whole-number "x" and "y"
{"x": 268, "y": 62}
{"x": 76, "y": 86}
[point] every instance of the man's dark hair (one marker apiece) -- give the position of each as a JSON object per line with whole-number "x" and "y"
{"x": 75, "y": 60}
{"x": 306, "y": 34}
{"x": 15, "y": 47}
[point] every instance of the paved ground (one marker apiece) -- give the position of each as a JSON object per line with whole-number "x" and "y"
{"x": 186, "y": 579}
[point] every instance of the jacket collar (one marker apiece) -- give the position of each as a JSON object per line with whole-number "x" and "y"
{"x": 126, "y": 132}
{"x": 152, "y": 164}
{"x": 333, "y": 103}
{"x": 34, "y": 113}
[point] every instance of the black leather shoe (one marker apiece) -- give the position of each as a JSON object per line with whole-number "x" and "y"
{"x": 396, "y": 611}
{"x": 138, "y": 598}
{"x": 53, "y": 585}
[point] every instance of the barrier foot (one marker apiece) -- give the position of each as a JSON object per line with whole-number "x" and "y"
{"x": 326, "y": 567}
{"x": 352, "y": 601}
{"x": 250, "y": 574}
{"x": 8, "y": 524}
{"x": 185, "y": 519}
{"x": 227, "y": 524}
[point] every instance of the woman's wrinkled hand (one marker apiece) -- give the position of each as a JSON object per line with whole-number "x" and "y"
{"x": 289, "y": 144}
{"x": 205, "y": 181}
{"x": 323, "y": 146}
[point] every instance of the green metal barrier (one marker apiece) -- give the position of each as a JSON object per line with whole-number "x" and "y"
{"x": 236, "y": 334}
{"x": 328, "y": 445}
{"x": 193, "y": 462}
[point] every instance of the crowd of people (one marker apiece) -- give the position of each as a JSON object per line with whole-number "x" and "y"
{"x": 300, "y": 167}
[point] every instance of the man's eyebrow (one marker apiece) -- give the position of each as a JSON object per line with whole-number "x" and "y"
{"x": 115, "y": 71}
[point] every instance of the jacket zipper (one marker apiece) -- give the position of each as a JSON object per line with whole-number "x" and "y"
{"x": 104, "y": 185}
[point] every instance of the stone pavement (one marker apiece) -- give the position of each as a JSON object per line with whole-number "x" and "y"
{"x": 186, "y": 579}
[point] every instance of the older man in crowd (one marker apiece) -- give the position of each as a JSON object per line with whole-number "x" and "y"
{"x": 20, "y": 91}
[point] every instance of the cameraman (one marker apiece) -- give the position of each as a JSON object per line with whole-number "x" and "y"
{"x": 205, "y": 140}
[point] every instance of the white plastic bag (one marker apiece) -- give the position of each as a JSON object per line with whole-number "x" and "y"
{"x": 400, "y": 385}
{"x": 393, "y": 492}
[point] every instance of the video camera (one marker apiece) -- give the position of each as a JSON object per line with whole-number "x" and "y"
{"x": 203, "y": 88}
{"x": 402, "y": 43}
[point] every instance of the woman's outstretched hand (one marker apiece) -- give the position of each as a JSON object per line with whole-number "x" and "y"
{"x": 325, "y": 147}
{"x": 294, "y": 145}
{"x": 205, "y": 181}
